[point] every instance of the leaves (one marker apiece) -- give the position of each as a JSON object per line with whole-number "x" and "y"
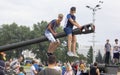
{"x": 99, "y": 58}
{"x": 90, "y": 56}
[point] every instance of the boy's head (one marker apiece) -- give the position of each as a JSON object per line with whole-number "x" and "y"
{"x": 20, "y": 58}
{"x": 35, "y": 61}
{"x": 116, "y": 40}
{"x": 95, "y": 64}
{"x": 73, "y": 10}
{"x": 52, "y": 59}
{"x": 60, "y": 17}
{"x": 107, "y": 40}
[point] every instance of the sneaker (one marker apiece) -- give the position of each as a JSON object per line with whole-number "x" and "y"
{"x": 75, "y": 55}
{"x": 69, "y": 53}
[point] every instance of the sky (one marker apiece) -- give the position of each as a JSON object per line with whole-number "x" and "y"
{"x": 29, "y": 12}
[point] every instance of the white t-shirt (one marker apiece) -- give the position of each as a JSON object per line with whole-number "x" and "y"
{"x": 116, "y": 48}
{"x": 31, "y": 70}
{"x": 58, "y": 68}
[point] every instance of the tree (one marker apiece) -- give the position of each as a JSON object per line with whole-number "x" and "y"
{"x": 90, "y": 56}
{"x": 82, "y": 57}
{"x": 12, "y": 33}
{"x": 99, "y": 58}
{"x": 39, "y": 49}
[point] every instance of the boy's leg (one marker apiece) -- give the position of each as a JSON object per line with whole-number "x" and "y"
{"x": 52, "y": 43}
{"x": 69, "y": 53}
{"x": 53, "y": 46}
{"x": 69, "y": 42}
{"x": 74, "y": 40}
{"x": 74, "y": 43}
{"x": 50, "y": 47}
{"x": 56, "y": 44}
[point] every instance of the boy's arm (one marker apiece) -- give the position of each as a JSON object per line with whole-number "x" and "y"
{"x": 51, "y": 30}
{"x": 74, "y": 23}
{"x": 98, "y": 72}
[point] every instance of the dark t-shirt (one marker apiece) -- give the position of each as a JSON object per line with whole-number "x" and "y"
{"x": 49, "y": 71}
{"x": 67, "y": 22}
{"x": 2, "y": 67}
{"x": 93, "y": 71}
{"x": 54, "y": 25}
{"x": 107, "y": 47}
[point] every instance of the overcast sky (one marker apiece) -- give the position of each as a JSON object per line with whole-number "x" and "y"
{"x": 28, "y": 12}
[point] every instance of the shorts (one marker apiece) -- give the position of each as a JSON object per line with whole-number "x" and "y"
{"x": 116, "y": 55}
{"x": 68, "y": 30}
{"x": 50, "y": 36}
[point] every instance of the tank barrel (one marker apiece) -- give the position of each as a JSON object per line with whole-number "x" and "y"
{"x": 86, "y": 29}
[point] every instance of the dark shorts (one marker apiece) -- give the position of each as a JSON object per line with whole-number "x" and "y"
{"x": 68, "y": 30}
{"x": 116, "y": 55}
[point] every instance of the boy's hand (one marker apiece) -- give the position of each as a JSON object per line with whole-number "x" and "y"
{"x": 80, "y": 27}
{"x": 54, "y": 34}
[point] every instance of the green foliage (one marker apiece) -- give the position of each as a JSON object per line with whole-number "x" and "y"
{"x": 90, "y": 56}
{"x": 99, "y": 58}
{"x": 82, "y": 57}
{"x": 11, "y": 34}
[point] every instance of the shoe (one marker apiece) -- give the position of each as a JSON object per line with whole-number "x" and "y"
{"x": 75, "y": 55}
{"x": 69, "y": 53}
{"x": 49, "y": 54}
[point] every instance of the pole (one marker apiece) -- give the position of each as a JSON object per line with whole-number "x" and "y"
{"x": 94, "y": 37}
{"x": 93, "y": 21}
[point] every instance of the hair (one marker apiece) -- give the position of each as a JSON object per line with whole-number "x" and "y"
{"x": 20, "y": 56}
{"x": 60, "y": 15}
{"x": 95, "y": 64}
{"x": 116, "y": 39}
{"x": 73, "y": 8}
{"x": 107, "y": 40}
{"x": 1, "y": 57}
{"x": 51, "y": 59}
{"x": 34, "y": 61}
{"x": 21, "y": 69}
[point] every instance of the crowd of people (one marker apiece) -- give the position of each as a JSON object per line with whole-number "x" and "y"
{"x": 11, "y": 67}
{"x": 53, "y": 67}
{"x": 68, "y": 68}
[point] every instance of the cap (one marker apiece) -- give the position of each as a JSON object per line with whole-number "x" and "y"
{"x": 73, "y": 8}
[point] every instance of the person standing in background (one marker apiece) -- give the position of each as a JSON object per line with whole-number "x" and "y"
{"x": 15, "y": 65}
{"x": 107, "y": 52}
{"x": 50, "y": 70}
{"x": 94, "y": 70}
{"x": 116, "y": 52}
